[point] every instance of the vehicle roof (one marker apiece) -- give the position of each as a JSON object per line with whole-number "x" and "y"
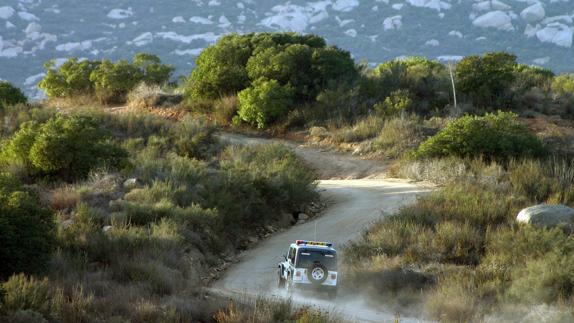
{"x": 298, "y": 246}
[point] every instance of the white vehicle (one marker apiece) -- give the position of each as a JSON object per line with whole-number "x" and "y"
{"x": 309, "y": 265}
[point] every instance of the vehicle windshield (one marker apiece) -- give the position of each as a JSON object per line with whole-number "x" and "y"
{"x": 307, "y": 257}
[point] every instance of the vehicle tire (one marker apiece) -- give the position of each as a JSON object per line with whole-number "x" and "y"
{"x": 317, "y": 274}
{"x": 280, "y": 279}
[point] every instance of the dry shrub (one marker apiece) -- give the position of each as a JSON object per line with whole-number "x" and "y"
{"x": 64, "y": 198}
{"x": 225, "y": 109}
{"x": 454, "y": 300}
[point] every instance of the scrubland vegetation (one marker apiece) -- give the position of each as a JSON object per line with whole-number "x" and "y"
{"x": 121, "y": 213}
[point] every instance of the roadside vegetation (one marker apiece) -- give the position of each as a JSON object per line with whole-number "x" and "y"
{"x": 123, "y": 213}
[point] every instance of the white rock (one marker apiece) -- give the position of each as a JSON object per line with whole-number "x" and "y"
{"x": 224, "y": 22}
{"x": 397, "y": 6}
{"x": 74, "y": 46}
{"x": 11, "y": 51}
{"x": 490, "y": 5}
{"x": 107, "y": 228}
{"x": 302, "y": 216}
{"x": 27, "y": 16}
{"x": 33, "y": 27}
{"x": 9, "y": 25}
{"x": 530, "y": 31}
{"x": 431, "y": 4}
{"x": 455, "y": 33}
{"x": 345, "y": 5}
{"x": 545, "y": 215}
{"x": 178, "y": 19}
{"x": 200, "y": 20}
{"x": 541, "y": 60}
{"x": 143, "y": 39}
{"x": 170, "y": 35}
{"x": 191, "y": 52}
{"x": 6, "y": 12}
{"x": 120, "y": 13}
{"x": 395, "y": 22}
{"x": 556, "y": 33}
{"x": 32, "y": 80}
{"x": 297, "y": 18}
{"x": 533, "y": 13}
{"x": 494, "y": 19}
{"x": 432, "y": 42}
{"x": 351, "y": 33}
{"x": 130, "y": 183}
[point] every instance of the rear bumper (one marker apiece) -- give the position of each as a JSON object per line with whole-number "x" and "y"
{"x": 309, "y": 286}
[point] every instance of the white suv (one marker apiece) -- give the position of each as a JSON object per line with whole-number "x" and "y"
{"x": 309, "y": 265}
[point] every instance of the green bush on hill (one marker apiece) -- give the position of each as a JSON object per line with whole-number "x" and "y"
{"x": 110, "y": 82}
{"x": 64, "y": 147}
{"x": 264, "y": 102}
{"x": 302, "y": 63}
{"x": 493, "y": 136}
{"x": 27, "y": 231}
{"x": 10, "y": 95}
{"x": 487, "y": 79}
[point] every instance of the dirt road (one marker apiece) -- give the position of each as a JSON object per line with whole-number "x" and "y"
{"x": 357, "y": 202}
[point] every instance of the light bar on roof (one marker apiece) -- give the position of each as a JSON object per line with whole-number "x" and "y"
{"x": 314, "y": 243}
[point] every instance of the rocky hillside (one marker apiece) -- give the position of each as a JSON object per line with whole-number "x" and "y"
{"x": 33, "y": 31}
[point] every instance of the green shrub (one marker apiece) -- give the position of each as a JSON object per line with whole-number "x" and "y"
{"x": 396, "y": 104}
{"x": 494, "y": 136}
{"x": 113, "y": 81}
{"x": 264, "y": 102}
{"x": 66, "y": 146}
{"x": 194, "y": 138}
{"x": 27, "y": 231}
{"x": 563, "y": 85}
{"x": 399, "y": 136}
{"x": 110, "y": 82}
{"x": 70, "y": 79}
{"x": 487, "y": 79}
{"x": 27, "y": 293}
{"x": 10, "y": 95}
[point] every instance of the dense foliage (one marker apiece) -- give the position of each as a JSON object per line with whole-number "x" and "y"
{"x": 27, "y": 230}
{"x": 493, "y": 136}
{"x": 64, "y": 147}
{"x": 109, "y": 81}
{"x": 10, "y": 95}
{"x": 257, "y": 62}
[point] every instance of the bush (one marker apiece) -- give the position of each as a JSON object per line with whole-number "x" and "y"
{"x": 194, "y": 138}
{"x": 494, "y": 136}
{"x": 10, "y": 95}
{"x": 563, "y": 85}
{"x": 27, "y": 231}
{"x": 27, "y": 293}
{"x": 70, "y": 79}
{"x": 487, "y": 79}
{"x": 108, "y": 81}
{"x": 399, "y": 136}
{"x": 264, "y": 102}
{"x": 65, "y": 146}
{"x": 399, "y": 102}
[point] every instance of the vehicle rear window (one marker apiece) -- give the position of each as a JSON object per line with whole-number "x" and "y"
{"x": 307, "y": 257}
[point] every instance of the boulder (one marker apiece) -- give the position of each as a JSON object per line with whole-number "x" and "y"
{"x": 130, "y": 183}
{"x": 547, "y": 216}
{"x": 556, "y": 33}
{"x": 494, "y": 19}
{"x": 533, "y": 13}
{"x": 303, "y": 216}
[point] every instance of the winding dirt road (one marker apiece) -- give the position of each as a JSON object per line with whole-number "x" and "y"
{"x": 359, "y": 196}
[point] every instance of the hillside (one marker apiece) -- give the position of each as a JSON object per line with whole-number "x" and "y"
{"x": 32, "y": 31}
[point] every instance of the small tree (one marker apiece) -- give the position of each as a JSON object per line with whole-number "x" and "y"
{"x": 9, "y": 95}
{"x": 27, "y": 231}
{"x": 264, "y": 102}
{"x": 66, "y": 146}
{"x": 154, "y": 72}
{"x": 494, "y": 136}
{"x": 72, "y": 78}
{"x": 113, "y": 81}
{"x": 487, "y": 79}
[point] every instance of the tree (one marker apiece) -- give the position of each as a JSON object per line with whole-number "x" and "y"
{"x": 113, "y": 81}
{"x": 493, "y": 136}
{"x": 72, "y": 78}
{"x": 66, "y": 146}
{"x": 487, "y": 79}
{"x": 9, "y": 94}
{"x": 27, "y": 231}
{"x": 154, "y": 72}
{"x": 220, "y": 69}
{"x": 264, "y": 102}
